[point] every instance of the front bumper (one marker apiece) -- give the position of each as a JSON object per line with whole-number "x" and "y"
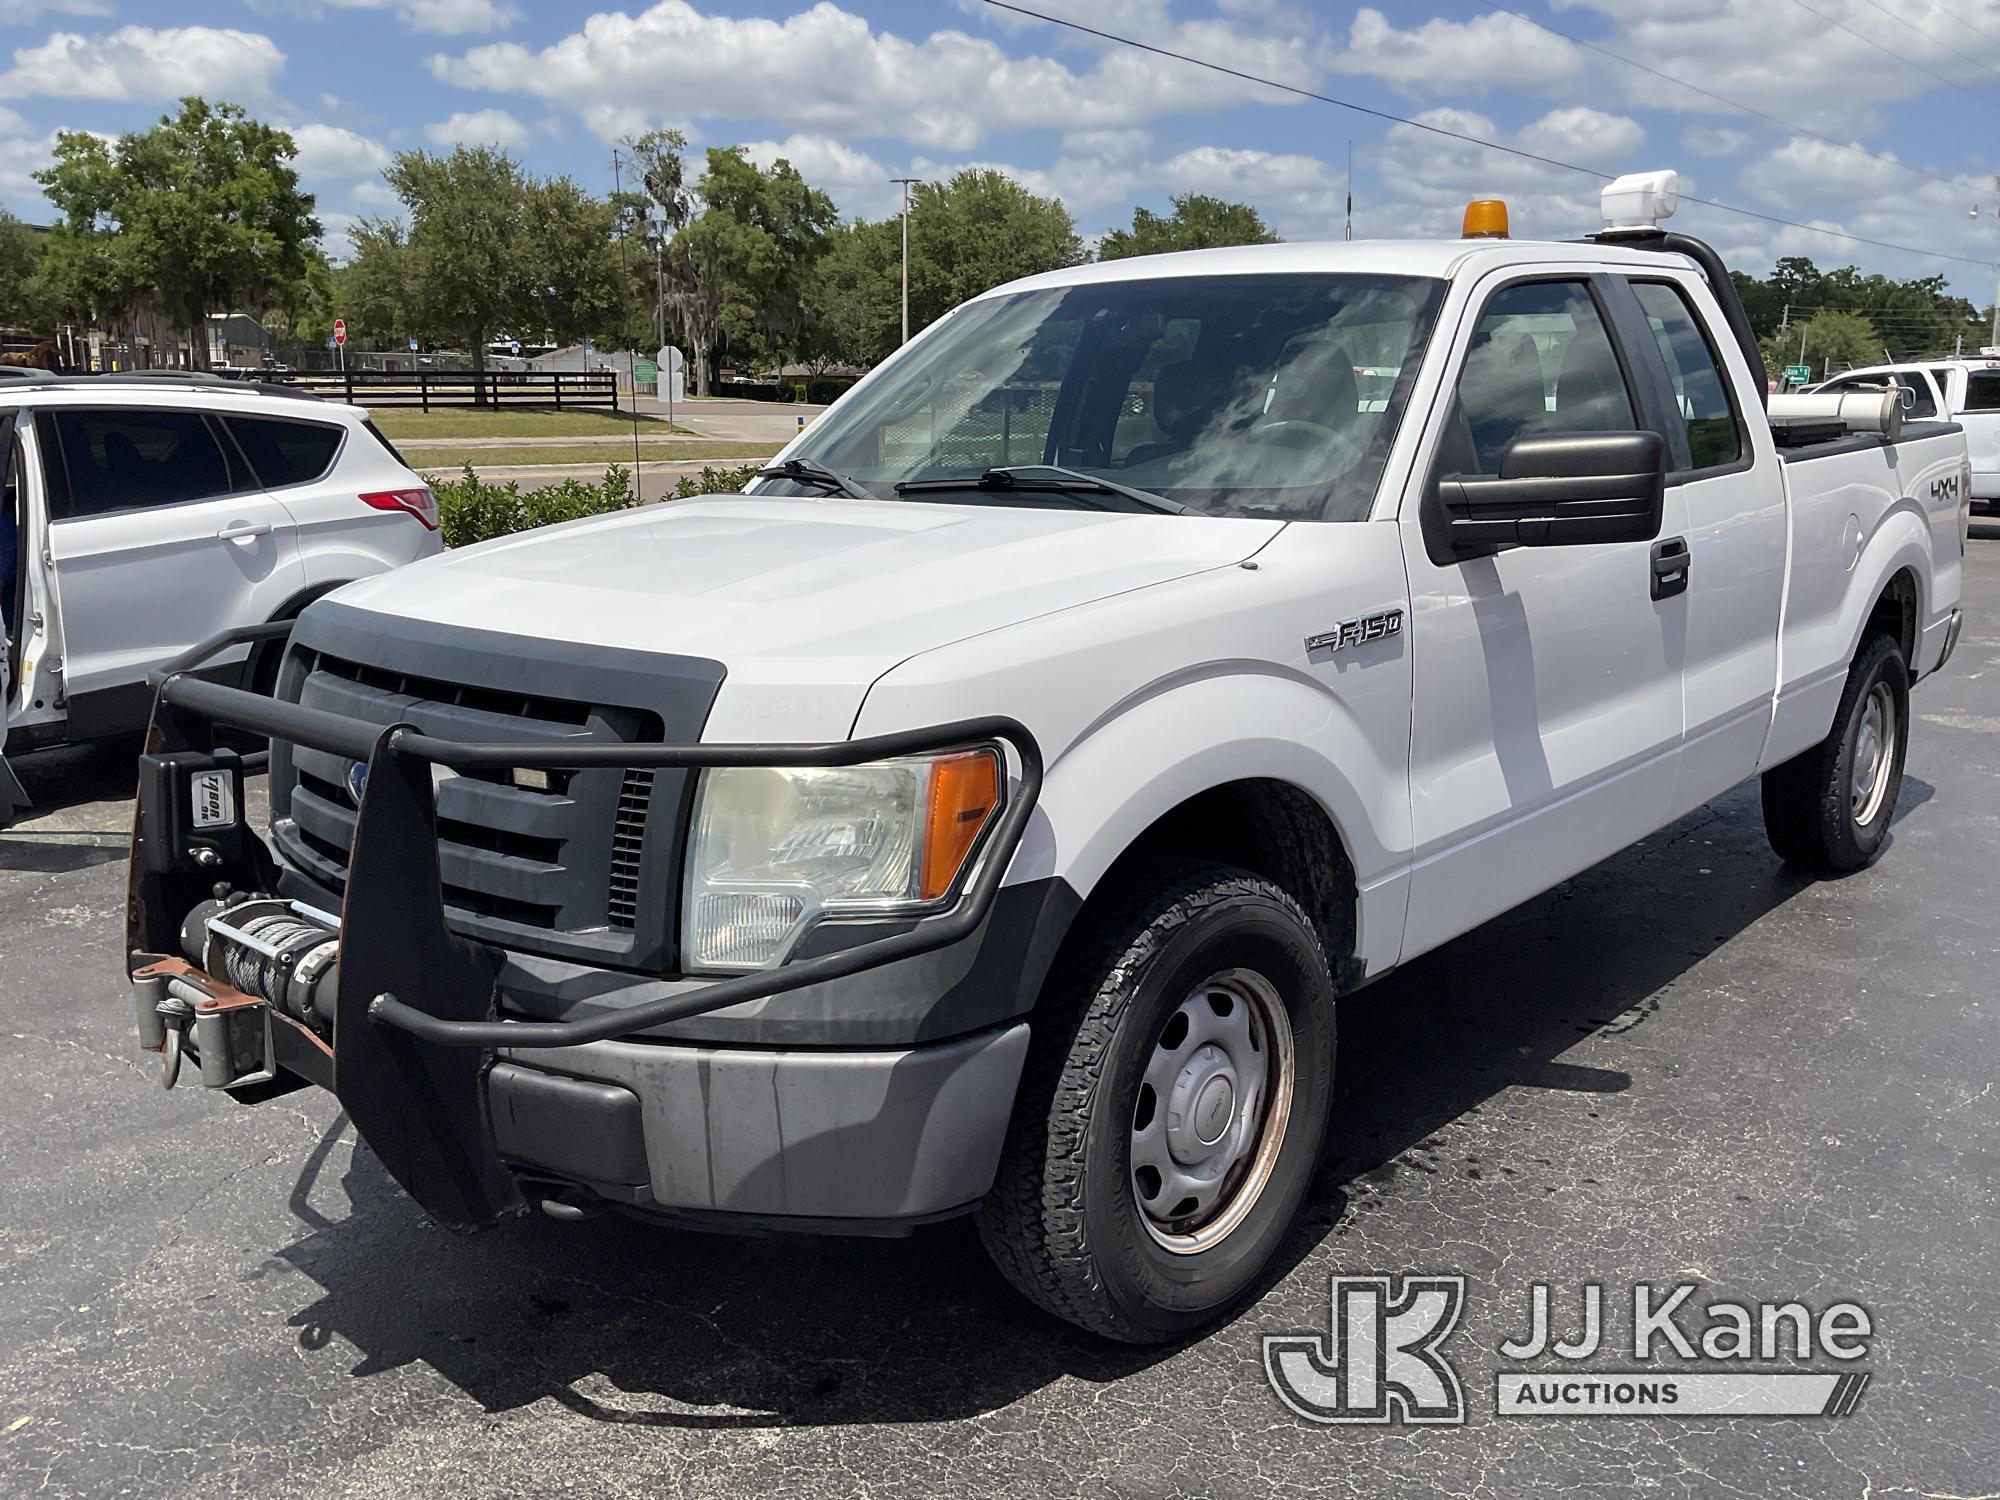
{"x": 841, "y": 1138}
{"x": 418, "y": 1019}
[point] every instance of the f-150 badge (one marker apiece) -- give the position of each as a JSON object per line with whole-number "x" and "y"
{"x": 1375, "y": 627}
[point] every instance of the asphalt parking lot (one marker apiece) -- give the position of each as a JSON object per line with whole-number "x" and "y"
{"x": 1687, "y": 1065}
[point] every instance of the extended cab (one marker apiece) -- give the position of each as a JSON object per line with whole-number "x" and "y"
{"x": 142, "y": 513}
{"x": 988, "y": 813}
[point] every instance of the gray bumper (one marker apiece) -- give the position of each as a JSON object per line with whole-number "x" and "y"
{"x": 859, "y": 1136}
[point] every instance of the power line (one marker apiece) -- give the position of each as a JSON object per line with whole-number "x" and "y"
{"x": 1747, "y": 109}
{"x": 1876, "y": 5}
{"x": 1911, "y": 62}
{"x": 1987, "y": 35}
{"x": 1470, "y": 140}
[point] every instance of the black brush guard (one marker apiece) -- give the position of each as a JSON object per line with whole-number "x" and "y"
{"x": 417, "y": 1020}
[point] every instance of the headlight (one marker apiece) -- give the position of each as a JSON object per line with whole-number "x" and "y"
{"x": 775, "y": 851}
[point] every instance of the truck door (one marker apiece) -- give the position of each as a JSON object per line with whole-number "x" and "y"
{"x": 161, "y": 537}
{"x": 1725, "y": 477}
{"x": 1546, "y": 720}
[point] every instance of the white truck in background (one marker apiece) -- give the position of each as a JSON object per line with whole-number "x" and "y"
{"x": 989, "y": 813}
{"x": 1965, "y": 391}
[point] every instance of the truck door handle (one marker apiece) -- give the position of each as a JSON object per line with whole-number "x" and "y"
{"x": 243, "y": 531}
{"x": 1670, "y": 567}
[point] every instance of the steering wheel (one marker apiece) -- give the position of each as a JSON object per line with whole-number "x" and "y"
{"x": 1302, "y": 433}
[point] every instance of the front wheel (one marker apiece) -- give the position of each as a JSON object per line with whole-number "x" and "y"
{"x": 1829, "y": 809}
{"x": 1173, "y": 1106}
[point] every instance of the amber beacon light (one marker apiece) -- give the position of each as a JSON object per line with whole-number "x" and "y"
{"x": 1485, "y": 219}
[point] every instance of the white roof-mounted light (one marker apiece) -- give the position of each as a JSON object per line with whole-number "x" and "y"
{"x": 1639, "y": 200}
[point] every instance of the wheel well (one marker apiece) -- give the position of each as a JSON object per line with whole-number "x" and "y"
{"x": 1273, "y": 829}
{"x": 261, "y": 666}
{"x": 1895, "y": 615}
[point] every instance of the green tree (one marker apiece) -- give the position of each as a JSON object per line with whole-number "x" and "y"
{"x": 25, "y": 299}
{"x": 202, "y": 213}
{"x": 372, "y": 291}
{"x": 740, "y": 269}
{"x": 490, "y": 249}
{"x": 853, "y": 307}
{"x": 1828, "y": 341}
{"x": 463, "y": 253}
{"x": 1198, "y": 222}
{"x": 976, "y": 231}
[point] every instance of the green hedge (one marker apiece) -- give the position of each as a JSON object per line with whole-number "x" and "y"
{"x": 472, "y": 510}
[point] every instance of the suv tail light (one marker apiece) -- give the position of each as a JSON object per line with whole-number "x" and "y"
{"x": 418, "y": 502}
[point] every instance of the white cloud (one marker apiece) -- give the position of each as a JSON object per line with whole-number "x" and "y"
{"x": 826, "y": 69}
{"x": 332, "y": 151}
{"x": 20, "y": 12}
{"x": 1431, "y": 177}
{"x": 20, "y": 158}
{"x": 441, "y": 17}
{"x": 480, "y": 127}
{"x": 1298, "y": 195}
{"x": 1588, "y": 137}
{"x": 1458, "y": 57}
{"x": 141, "y": 63}
{"x": 1715, "y": 140}
{"x": 11, "y": 123}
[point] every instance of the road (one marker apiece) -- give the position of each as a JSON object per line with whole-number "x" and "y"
{"x": 1685, "y": 1065}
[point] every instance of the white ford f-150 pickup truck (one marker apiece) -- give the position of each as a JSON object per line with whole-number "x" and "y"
{"x": 989, "y": 813}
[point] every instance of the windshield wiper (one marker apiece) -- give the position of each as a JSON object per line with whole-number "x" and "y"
{"x": 1044, "y": 477}
{"x": 812, "y": 471}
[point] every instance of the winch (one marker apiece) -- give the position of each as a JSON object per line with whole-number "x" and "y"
{"x": 247, "y": 955}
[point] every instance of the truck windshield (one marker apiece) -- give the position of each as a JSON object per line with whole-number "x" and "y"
{"x": 1248, "y": 395}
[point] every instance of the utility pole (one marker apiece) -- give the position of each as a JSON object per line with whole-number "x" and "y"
{"x": 906, "y": 183}
{"x": 1973, "y": 214}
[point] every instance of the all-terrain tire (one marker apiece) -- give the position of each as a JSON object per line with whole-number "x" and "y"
{"x": 1064, "y": 1221}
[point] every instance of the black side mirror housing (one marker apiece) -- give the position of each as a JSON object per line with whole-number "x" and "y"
{"x": 1558, "y": 490}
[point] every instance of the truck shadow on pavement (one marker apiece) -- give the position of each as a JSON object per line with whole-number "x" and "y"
{"x": 627, "y": 1323}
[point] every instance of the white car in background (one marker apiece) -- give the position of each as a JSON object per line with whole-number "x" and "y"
{"x": 142, "y": 514}
{"x": 1966, "y": 391}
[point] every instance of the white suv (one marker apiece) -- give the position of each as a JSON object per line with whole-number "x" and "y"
{"x": 141, "y": 514}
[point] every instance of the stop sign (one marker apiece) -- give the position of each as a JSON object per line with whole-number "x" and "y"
{"x": 340, "y": 330}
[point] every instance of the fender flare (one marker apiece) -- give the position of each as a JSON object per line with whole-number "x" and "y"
{"x": 1900, "y": 544}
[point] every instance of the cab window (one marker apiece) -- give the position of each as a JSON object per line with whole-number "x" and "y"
{"x": 1710, "y": 436}
{"x": 1982, "y": 390}
{"x": 1541, "y": 361}
{"x": 1920, "y": 405}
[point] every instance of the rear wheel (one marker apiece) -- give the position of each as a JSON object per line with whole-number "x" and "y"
{"x": 1173, "y": 1106}
{"x": 1829, "y": 809}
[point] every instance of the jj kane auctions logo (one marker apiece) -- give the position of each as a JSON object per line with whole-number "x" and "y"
{"x": 1382, "y": 1359}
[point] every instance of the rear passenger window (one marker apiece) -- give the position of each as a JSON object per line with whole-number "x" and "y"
{"x": 1541, "y": 361}
{"x": 284, "y": 452}
{"x": 1982, "y": 390}
{"x": 1709, "y": 436}
{"x": 105, "y": 461}
{"x": 1919, "y": 405}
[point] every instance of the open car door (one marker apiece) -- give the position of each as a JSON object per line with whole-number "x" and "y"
{"x": 13, "y": 493}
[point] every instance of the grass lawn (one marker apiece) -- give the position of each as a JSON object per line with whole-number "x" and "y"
{"x": 425, "y": 458}
{"x": 403, "y": 425}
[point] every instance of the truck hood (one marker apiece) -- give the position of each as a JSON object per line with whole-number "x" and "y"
{"x": 801, "y": 593}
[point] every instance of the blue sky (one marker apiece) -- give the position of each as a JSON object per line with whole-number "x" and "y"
{"x": 1888, "y": 147}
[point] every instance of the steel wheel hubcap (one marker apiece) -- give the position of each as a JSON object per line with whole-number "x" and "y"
{"x": 1213, "y": 1103}
{"x": 1874, "y": 755}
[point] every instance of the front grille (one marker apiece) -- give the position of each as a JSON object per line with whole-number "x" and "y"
{"x": 628, "y": 844}
{"x": 562, "y": 869}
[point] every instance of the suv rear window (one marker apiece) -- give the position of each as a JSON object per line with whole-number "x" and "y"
{"x": 283, "y": 452}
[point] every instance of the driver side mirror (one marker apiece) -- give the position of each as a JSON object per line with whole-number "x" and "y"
{"x": 1559, "y": 490}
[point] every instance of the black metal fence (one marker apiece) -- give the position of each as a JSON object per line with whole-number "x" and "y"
{"x": 426, "y": 389}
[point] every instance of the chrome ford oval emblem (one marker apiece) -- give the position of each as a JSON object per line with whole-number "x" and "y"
{"x": 357, "y": 781}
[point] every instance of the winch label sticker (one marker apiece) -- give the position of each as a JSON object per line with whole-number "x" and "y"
{"x": 213, "y": 795}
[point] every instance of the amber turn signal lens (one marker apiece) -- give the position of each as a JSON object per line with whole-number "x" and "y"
{"x": 965, "y": 789}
